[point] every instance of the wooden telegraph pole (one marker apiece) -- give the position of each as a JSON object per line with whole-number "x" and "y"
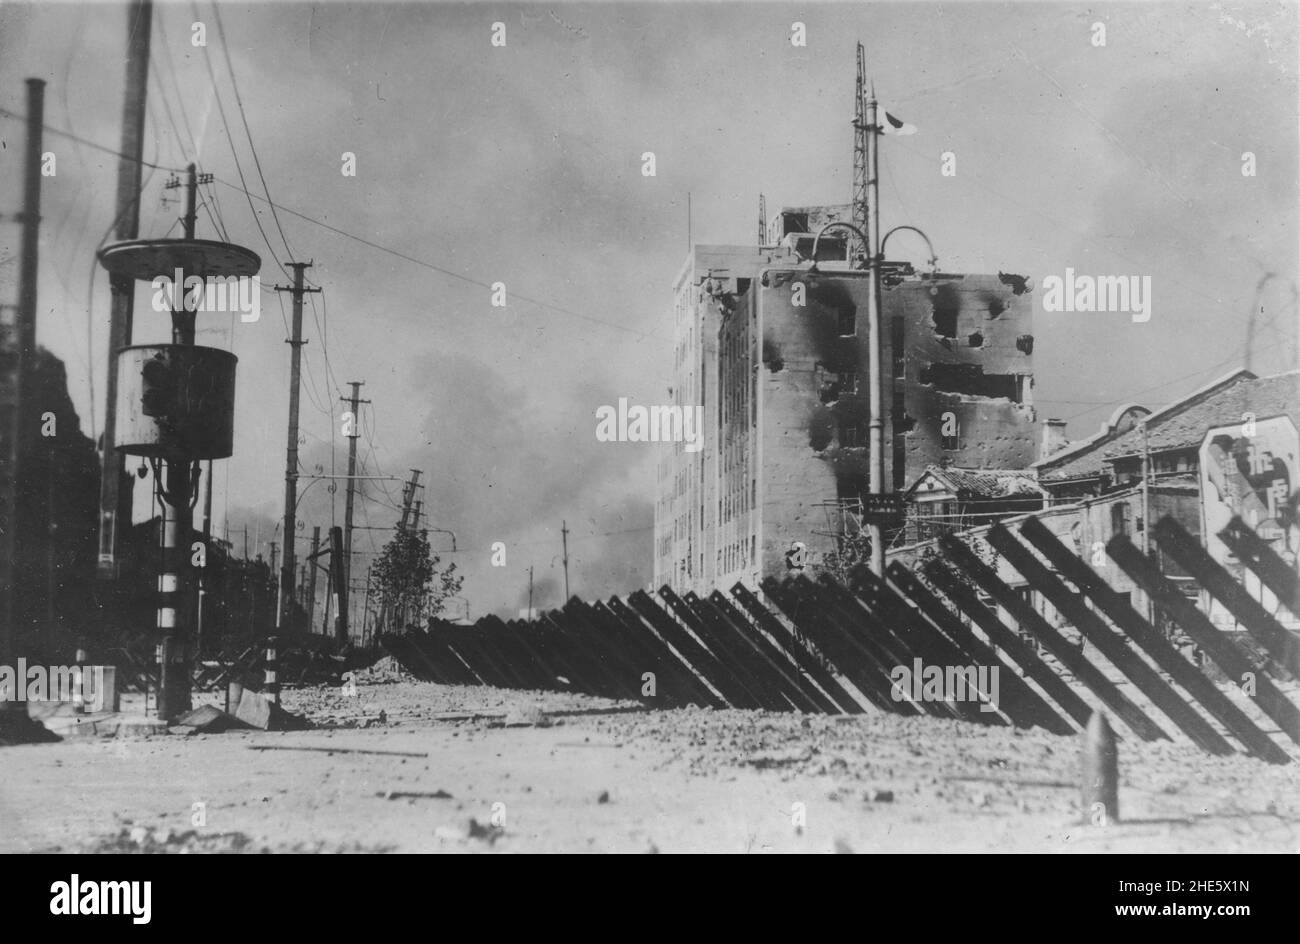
{"x": 354, "y": 404}
{"x": 284, "y": 611}
{"x": 116, "y": 484}
{"x": 17, "y": 352}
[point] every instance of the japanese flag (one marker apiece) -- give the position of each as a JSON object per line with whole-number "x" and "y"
{"x": 892, "y": 125}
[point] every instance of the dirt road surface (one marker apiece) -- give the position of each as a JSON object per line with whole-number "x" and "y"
{"x": 415, "y": 767}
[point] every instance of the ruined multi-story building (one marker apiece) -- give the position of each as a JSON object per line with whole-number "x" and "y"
{"x": 685, "y": 526}
{"x": 776, "y": 353}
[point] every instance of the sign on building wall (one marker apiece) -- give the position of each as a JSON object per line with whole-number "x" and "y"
{"x": 1250, "y": 470}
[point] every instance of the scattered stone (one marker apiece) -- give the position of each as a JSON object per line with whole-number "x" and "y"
{"x": 491, "y": 833}
{"x": 260, "y": 712}
{"x": 883, "y": 796}
{"x": 206, "y": 719}
{"x": 604, "y": 797}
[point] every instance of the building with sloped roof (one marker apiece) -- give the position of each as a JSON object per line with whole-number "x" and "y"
{"x": 950, "y": 499}
{"x": 1230, "y": 448}
{"x": 1112, "y": 458}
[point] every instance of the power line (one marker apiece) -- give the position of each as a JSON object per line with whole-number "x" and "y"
{"x": 1118, "y": 142}
{"x": 551, "y": 541}
{"x": 324, "y": 340}
{"x": 225, "y": 49}
{"x": 5, "y": 112}
{"x": 176, "y": 85}
{"x": 1227, "y": 360}
{"x": 230, "y": 138}
{"x": 167, "y": 105}
{"x": 445, "y": 271}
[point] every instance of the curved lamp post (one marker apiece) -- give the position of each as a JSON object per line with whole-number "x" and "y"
{"x": 934, "y": 260}
{"x": 832, "y": 225}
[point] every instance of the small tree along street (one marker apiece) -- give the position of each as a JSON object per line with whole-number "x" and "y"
{"x": 407, "y": 580}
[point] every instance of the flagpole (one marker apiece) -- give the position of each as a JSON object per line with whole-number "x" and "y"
{"x": 876, "y": 442}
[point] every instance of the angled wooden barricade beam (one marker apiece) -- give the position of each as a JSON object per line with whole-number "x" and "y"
{"x": 1231, "y": 659}
{"x": 867, "y": 668}
{"x": 807, "y": 660}
{"x": 770, "y": 670}
{"x": 1267, "y": 631}
{"x": 1025, "y": 705}
{"x": 1111, "y": 645}
{"x": 692, "y": 684}
{"x": 742, "y": 662}
{"x": 781, "y": 660}
{"x": 930, "y": 645}
{"x": 1153, "y": 642}
{"x": 1263, "y": 562}
{"x": 701, "y": 659}
{"x": 964, "y": 599}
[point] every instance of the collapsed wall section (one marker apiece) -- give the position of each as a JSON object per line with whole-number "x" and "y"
{"x": 962, "y": 373}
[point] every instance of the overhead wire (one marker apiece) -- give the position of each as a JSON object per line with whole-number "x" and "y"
{"x": 230, "y": 139}
{"x": 239, "y": 102}
{"x": 449, "y": 272}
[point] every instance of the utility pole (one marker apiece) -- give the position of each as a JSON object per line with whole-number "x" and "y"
{"x": 116, "y": 485}
{"x": 762, "y": 221}
{"x": 408, "y": 495}
{"x": 177, "y": 608}
{"x": 530, "y": 591}
{"x": 340, "y": 588}
{"x": 311, "y": 579}
{"x": 207, "y": 548}
{"x": 876, "y": 424}
{"x": 329, "y": 601}
{"x": 284, "y": 612}
{"x": 17, "y": 357}
{"x": 564, "y": 534}
{"x": 365, "y": 608}
{"x": 353, "y": 436}
{"x": 274, "y": 546}
{"x": 1146, "y": 509}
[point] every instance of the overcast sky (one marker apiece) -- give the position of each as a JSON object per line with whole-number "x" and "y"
{"x": 522, "y": 165}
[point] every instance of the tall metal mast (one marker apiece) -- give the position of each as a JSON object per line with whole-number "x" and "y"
{"x": 860, "y": 138}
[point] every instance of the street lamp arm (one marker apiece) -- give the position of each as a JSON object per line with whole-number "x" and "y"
{"x": 833, "y": 225}
{"x": 445, "y": 531}
{"x": 934, "y": 260}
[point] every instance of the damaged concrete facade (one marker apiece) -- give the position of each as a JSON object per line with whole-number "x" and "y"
{"x": 777, "y": 355}
{"x": 795, "y": 407}
{"x": 713, "y": 276}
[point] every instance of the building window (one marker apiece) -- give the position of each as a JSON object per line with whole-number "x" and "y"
{"x": 848, "y": 436}
{"x": 848, "y": 321}
{"x": 1121, "y": 516}
{"x": 945, "y": 322}
{"x": 848, "y": 382}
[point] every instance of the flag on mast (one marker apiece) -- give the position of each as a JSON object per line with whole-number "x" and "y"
{"x": 892, "y": 125}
